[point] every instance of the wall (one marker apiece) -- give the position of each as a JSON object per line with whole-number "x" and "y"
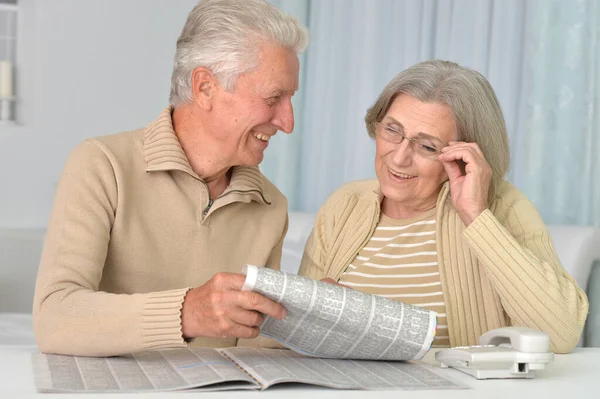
{"x": 85, "y": 68}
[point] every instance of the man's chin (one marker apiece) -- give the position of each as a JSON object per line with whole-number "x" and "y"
{"x": 254, "y": 160}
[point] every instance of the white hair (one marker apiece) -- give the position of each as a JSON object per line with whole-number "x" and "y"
{"x": 223, "y": 36}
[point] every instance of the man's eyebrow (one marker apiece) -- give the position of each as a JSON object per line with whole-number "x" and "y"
{"x": 279, "y": 92}
{"x": 419, "y": 134}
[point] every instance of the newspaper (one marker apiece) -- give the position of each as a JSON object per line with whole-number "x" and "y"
{"x": 331, "y": 321}
{"x": 205, "y": 369}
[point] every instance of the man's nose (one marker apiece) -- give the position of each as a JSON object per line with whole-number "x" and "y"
{"x": 284, "y": 116}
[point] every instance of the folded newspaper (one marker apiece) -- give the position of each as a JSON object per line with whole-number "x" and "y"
{"x": 326, "y": 324}
{"x": 331, "y": 321}
{"x": 205, "y": 369}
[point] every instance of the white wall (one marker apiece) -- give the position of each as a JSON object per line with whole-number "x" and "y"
{"x": 85, "y": 68}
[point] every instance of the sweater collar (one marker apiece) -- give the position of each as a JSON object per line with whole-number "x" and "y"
{"x": 377, "y": 195}
{"x": 163, "y": 152}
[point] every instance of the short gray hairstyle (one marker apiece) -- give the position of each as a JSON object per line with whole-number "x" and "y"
{"x": 468, "y": 94}
{"x": 223, "y": 36}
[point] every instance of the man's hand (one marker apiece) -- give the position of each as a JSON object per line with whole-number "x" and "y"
{"x": 219, "y": 309}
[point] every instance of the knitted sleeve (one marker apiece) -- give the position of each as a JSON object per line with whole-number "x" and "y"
{"x": 521, "y": 263}
{"x": 71, "y": 315}
{"x": 311, "y": 265}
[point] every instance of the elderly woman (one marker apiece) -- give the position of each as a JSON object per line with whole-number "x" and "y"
{"x": 440, "y": 227}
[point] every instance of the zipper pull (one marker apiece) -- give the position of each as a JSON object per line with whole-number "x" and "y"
{"x": 210, "y": 203}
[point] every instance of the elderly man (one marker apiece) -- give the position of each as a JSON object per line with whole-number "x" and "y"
{"x": 142, "y": 216}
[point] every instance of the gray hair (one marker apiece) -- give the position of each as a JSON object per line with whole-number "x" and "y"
{"x": 468, "y": 94}
{"x": 223, "y": 36}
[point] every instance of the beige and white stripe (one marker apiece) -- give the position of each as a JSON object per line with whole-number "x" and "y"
{"x": 400, "y": 262}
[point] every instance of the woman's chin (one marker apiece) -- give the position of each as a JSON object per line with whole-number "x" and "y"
{"x": 394, "y": 184}
{"x": 394, "y": 194}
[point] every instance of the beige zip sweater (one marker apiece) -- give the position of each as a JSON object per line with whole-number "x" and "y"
{"x": 131, "y": 231}
{"x": 501, "y": 270}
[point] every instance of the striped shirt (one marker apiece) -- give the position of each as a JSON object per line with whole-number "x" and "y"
{"x": 400, "y": 262}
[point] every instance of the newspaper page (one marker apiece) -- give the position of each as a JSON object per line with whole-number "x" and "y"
{"x": 275, "y": 366}
{"x": 162, "y": 370}
{"x": 327, "y": 320}
{"x": 201, "y": 369}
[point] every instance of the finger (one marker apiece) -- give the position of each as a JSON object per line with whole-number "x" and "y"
{"x": 262, "y": 304}
{"x": 454, "y": 145}
{"x": 466, "y": 154}
{"x": 329, "y": 280}
{"x": 245, "y": 317}
{"x": 242, "y": 331}
{"x": 452, "y": 169}
{"x": 474, "y": 160}
{"x": 229, "y": 281}
{"x": 459, "y": 147}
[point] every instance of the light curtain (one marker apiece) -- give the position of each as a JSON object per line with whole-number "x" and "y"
{"x": 557, "y": 161}
{"x": 283, "y": 162}
{"x": 539, "y": 55}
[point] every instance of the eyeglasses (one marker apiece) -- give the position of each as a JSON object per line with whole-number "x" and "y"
{"x": 424, "y": 147}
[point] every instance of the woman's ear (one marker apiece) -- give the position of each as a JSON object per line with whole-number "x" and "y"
{"x": 204, "y": 86}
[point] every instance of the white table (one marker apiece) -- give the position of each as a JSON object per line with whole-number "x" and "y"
{"x": 576, "y": 375}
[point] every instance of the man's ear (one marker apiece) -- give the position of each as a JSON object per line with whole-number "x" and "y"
{"x": 204, "y": 86}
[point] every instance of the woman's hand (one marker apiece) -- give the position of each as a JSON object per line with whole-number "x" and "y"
{"x": 468, "y": 192}
{"x": 329, "y": 280}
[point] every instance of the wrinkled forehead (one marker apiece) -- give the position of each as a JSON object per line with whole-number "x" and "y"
{"x": 426, "y": 119}
{"x": 277, "y": 72}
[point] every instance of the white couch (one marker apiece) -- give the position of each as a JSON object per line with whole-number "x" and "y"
{"x": 578, "y": 248}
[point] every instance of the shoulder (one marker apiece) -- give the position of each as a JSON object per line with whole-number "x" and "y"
{"x": 514, "y": 210}
{"x": 121, "y": 151}
{"x": 112, "y": 147}
{"x": 360, "y": 190}
{"x": 273, "y": 195}
{"x": 351, "y": 196}
{"x": 120, "y": 145}
{"x": 103, "y": 159}
{"x": 508, "y": 196}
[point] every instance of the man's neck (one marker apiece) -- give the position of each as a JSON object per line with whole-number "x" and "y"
{"x": 208, "y": 164}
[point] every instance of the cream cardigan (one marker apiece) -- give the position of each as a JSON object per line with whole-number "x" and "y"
{"x": 501, "y": 270}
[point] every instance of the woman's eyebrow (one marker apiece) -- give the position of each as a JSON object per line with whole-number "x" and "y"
{"x": 395, "y": 122}
{"x": 428, "y": 136}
